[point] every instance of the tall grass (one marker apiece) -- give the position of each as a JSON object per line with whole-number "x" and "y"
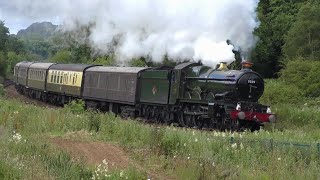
{"x": 180, "y": 152}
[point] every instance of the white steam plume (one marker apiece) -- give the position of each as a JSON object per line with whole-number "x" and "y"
{"x": 180, "y": 29}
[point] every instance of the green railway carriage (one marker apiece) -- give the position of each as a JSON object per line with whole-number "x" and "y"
{"x": 16, "y": 72}
{"x": 66, "y": 79}
{"x": 37, "y": 74}
{"x": 112, "y": 84}
{"x": 23, "y": 73}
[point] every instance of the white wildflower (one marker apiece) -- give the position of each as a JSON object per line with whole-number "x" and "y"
{"x": 193, "y": 133}
{"x": 188, "y": 157}
{"x": 241, "y": 146}
{"x": 234, "y": 145}
{"x": 196, "y": 140}
{"x": 121, "y": 174}
{"x": 240, "y": 135}
{"x": 213, "y": 164}
{"x": 16, "y": 137}
{"x": 279, "y": 159}
{"x": 185, "y": 144}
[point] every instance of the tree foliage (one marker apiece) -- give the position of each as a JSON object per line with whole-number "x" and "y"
{"x": 4, "y": 35}
{"x": 303, "y": 74}
{"x": 303, "y": 39}
{"x": 63, "y": 56}
{"x": 276, "y": 17}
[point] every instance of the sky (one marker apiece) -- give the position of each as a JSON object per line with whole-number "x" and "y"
{"x": 180, "y": 29}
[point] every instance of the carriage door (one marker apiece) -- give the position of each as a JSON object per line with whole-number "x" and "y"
{"x": 175, "y": 86}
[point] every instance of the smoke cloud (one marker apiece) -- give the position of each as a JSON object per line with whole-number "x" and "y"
{"x": 179, "y": 29}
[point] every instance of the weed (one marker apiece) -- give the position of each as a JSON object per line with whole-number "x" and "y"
{"x": 2, "y": 90}
{"x": 76, "y": 106}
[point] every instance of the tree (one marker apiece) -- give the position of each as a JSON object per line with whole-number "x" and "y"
{"x": 4, "y": 35}
{"x": 63, "y": 56}
{"x": 303, "y": 39}
{"x": 104, "y": 60}
{"x": 14, "y": 44}
{"x": 3, "y": 64}
{"x": 276, "y": 17}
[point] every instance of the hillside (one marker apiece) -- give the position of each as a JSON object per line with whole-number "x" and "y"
{"x": 43, "y": 30}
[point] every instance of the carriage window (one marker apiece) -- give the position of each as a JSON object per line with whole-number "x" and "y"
{"x": 73, "y": 79}
{"x": 51, "y": 76}
{"x": 61, "y": 77}
{"x": 67, "y": 78}
{"x": 54, "y": 77}
{"x": 58, "y": 77}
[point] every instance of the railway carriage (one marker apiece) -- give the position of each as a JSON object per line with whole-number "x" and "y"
{"x": 16, "y": 72}
{"x": 65, "y": 82}
{"x": 110, "y": 87}
{"x": 37, "y": 80}
{"x": 22, "y": 76}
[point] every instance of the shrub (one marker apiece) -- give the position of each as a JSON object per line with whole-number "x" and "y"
{"x": 277, "y": 91}
{"x": 94, "y": 121}
{"x": 76, "y": 106}
{"x": 2, "y": 90}
{"x": 303, "y": 74}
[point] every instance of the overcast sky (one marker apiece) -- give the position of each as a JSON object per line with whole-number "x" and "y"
{"x": 17, "y": 17}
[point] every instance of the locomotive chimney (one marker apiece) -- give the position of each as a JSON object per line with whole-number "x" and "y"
{"x": 223, "y": 66}
{"x": 246, "y": 64}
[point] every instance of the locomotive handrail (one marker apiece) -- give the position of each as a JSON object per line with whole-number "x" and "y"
{"x": 210, "y": 79}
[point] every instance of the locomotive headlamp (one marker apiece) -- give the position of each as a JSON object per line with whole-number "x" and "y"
{"x": 269, "y": 110}
{"x": 238, "y": 108}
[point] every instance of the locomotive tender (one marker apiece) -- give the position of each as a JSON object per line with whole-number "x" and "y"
{"x": 189, "y": 94}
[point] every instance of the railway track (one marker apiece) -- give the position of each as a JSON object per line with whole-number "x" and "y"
{"x": 7, "y": 83}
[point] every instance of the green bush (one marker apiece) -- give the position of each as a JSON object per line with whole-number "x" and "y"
{"x": 277, "y": 91}
{"x": 2, "y": 90}
{"x": 76, "y": 106}
{"x": 94, "y": 121}
{"x": 303, "y": 74}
